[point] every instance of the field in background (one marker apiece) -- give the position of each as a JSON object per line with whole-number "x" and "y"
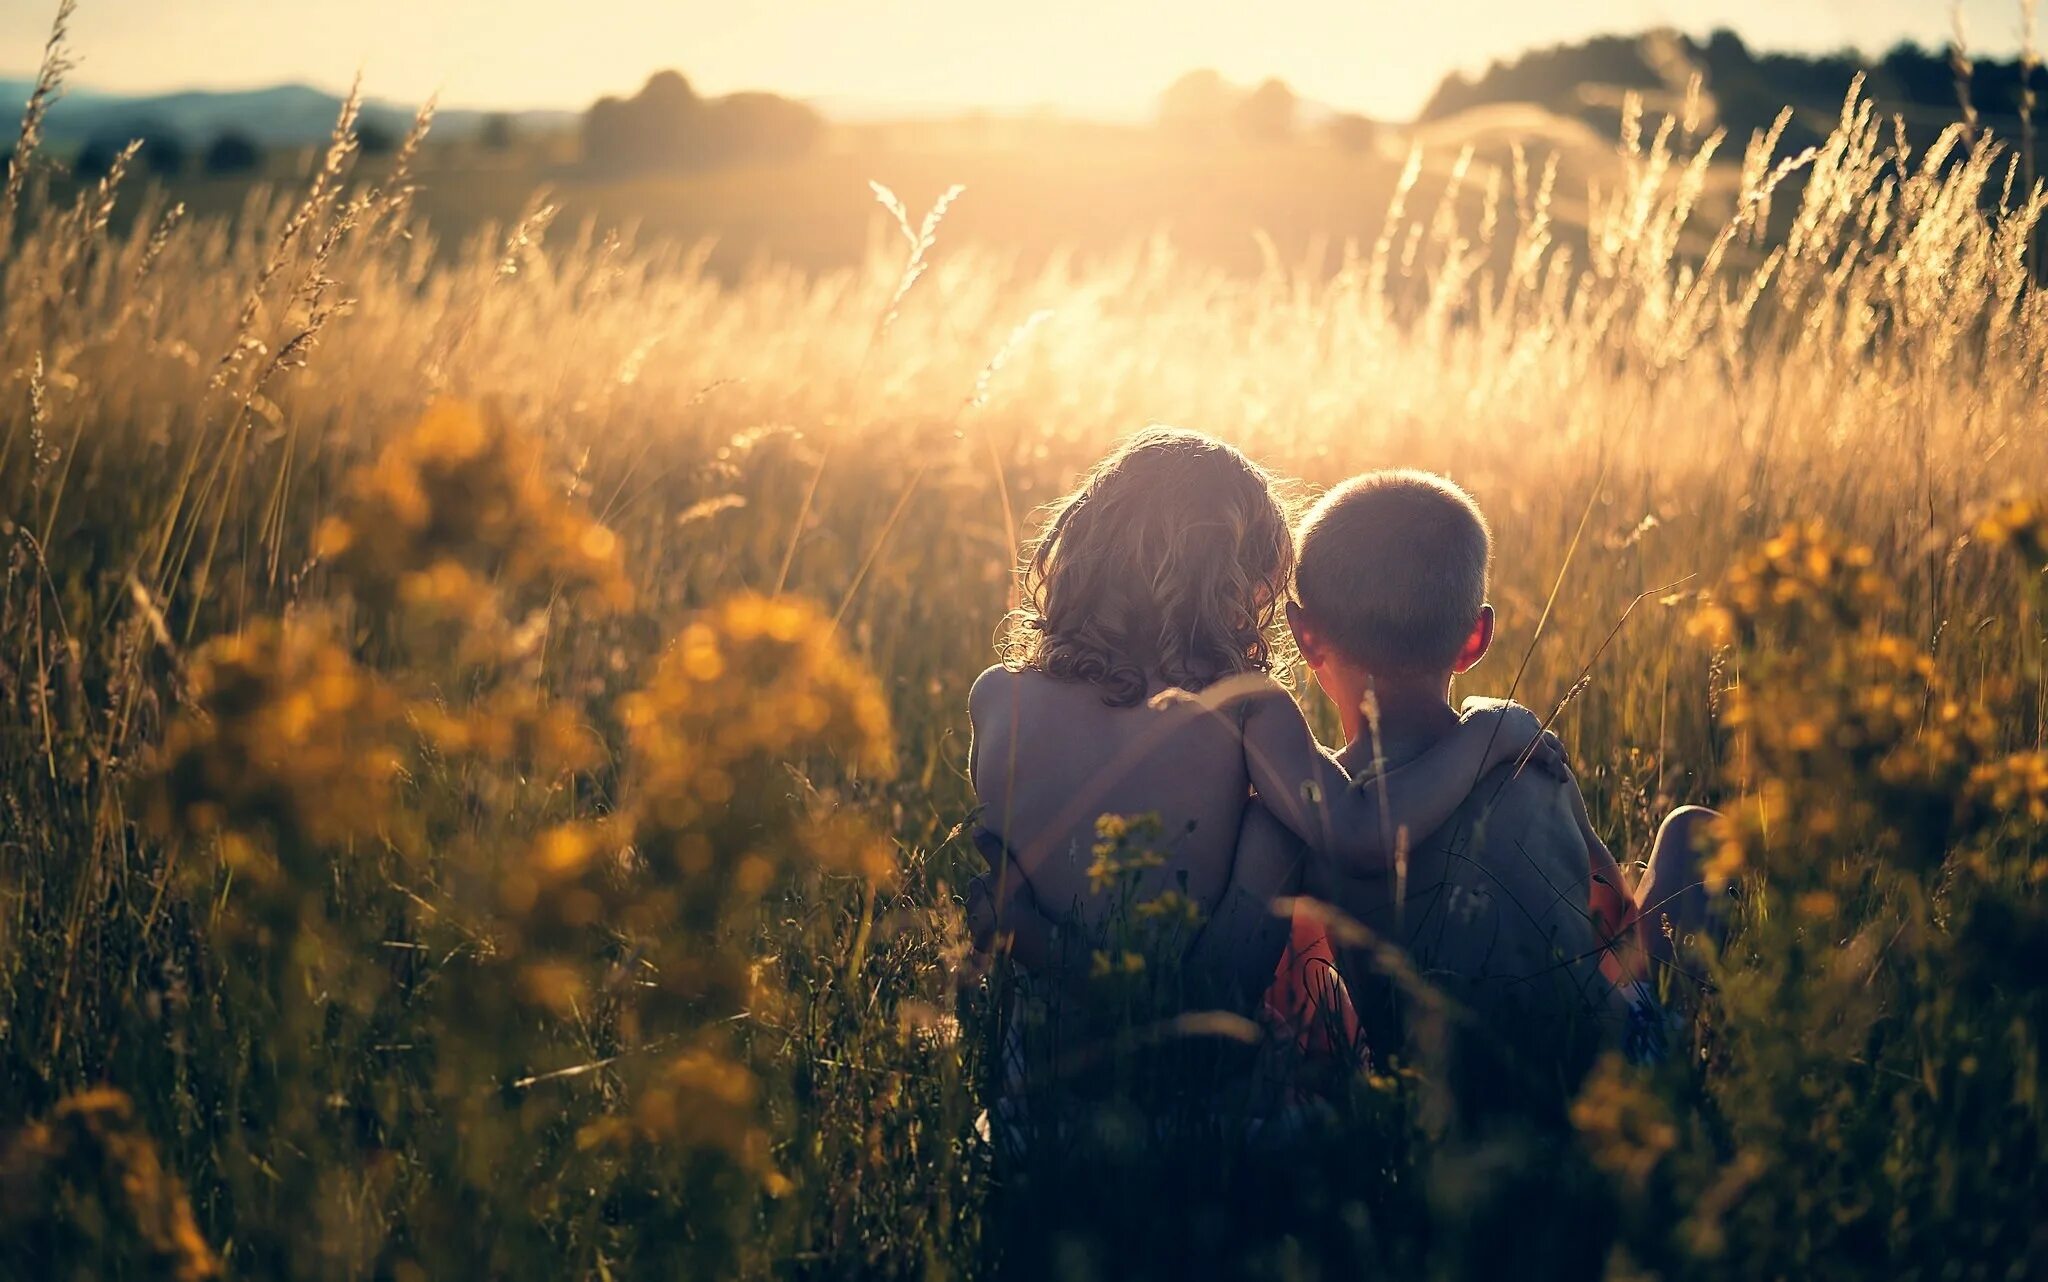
{"x": 1038, "y": 188}
{"x": 361, "y": 1040}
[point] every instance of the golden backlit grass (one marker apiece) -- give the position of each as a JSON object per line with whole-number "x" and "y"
{"x": 210, "y": 466}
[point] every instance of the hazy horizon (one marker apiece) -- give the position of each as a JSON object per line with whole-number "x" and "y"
{"x": 1101, "y": 59}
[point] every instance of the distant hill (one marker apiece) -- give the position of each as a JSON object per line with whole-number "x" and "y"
{"x": 280, "y": 115}
{"x": 1744, "y": 89}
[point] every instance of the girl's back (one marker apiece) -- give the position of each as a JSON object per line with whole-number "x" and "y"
{"x": 1050, "y": 757}
{"x": 1159, "y": 576}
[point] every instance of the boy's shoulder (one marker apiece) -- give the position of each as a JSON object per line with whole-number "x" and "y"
{"x": 1507, "y": 874}
{"x": 1522, "y": 820}
{"x": 1525, "y": 793}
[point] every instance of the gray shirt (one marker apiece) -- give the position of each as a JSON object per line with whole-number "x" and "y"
{"x": 1493, "y": 911}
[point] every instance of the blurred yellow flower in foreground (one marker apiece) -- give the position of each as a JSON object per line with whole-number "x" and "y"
{"x": 92, "y": 1159}
{"x": 459, "y": 511}
{"x": 755, "y": 680}
{"x": 286, "y": 737}
{"x": 744, "y": 756}
{"x": 2019, "y": 523}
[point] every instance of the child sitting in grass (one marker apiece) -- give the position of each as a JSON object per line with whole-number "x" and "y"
{"x": 1137, "y": 685}
{"x": 1513, "y": 904}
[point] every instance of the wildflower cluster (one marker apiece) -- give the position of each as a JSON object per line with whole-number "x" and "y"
{"x": 1626, "y": 1127}
{"x": 2021, "y": 524}
{"x": 1844, "y": 732}
{"x": 284, "y": 781}
{"x": 715, "y": 814}
{"x": 714, "y": 817}
{"x": 1804, "y": 584}
{"x": 288, "y": 742}
{"x": 89, "y": 1166}
{"x": 1124, "y": 850}
{"x": 1864, "y": 741}
{"x": 2015, "y": 789}
{"x": 1140, "y": 931}
{"x": 704, "y": 1099}
{"x": 753, "y": 682}
{"x": 617, "y": 932}
{"x": 457, "y": 521}
{"x": 1886, "y": 849}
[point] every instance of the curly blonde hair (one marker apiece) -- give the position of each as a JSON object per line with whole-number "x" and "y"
{"x": 1168, "y": 562}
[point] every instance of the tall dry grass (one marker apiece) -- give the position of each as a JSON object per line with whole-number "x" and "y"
{"x": 393, "y": 1038}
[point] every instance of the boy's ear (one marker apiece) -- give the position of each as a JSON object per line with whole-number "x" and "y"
{"x": 1305, "y": 638}
{"x": 1477, "y": 644}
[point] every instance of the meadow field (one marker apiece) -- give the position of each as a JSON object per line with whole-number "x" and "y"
{"x": 485, "y": 738}
{"x": 1043, "y": 189}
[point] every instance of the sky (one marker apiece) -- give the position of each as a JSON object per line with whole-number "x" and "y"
{"x": 1101, "y": 57}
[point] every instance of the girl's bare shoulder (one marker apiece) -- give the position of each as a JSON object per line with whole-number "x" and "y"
{"x": 1000, "y": 689}
{"x": 994, "y": 682}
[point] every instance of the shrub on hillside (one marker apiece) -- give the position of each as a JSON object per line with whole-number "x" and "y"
{"x": 156, "y": 152}
{"x": 667, "y": 126}
{"x": 1350, "y": 132}
{"x": 233, "y": 153}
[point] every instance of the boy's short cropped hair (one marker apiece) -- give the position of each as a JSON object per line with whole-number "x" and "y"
{"x": 1392, "y": 570}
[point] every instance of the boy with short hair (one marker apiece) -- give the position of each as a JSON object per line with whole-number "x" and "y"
{"x": 1514, "y": 905}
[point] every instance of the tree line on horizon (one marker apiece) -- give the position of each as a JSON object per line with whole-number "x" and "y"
{"x": 165, "y": 152}
{"x": 1750, "y": 87}
{"x": 668, "y": 126}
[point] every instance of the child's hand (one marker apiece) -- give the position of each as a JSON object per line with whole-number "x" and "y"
{"x": 1517, "y": 734}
